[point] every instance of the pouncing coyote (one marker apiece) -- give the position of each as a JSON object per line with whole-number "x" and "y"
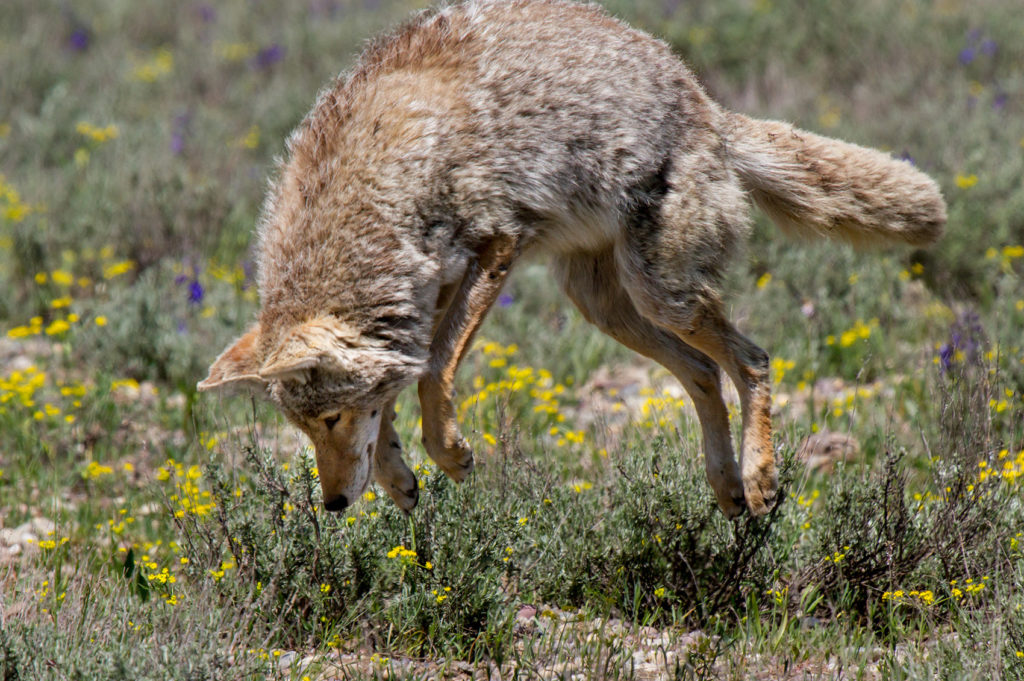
{"x": 488, "y": 130}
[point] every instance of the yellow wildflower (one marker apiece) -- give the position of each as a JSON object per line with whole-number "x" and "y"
{"x": 234, "y": 51}
{"x": 157, "y": 66}
{"x": 401, "y": 552}
{"x": 62, "y": 277}
{"x": 117, "y": 269}
{"x": 97, "y": 134}
{"x": 966, "y": 181}
{"x": 58, "y": 326}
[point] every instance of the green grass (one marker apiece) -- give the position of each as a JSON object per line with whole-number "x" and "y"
{"x": 152, "y": 534}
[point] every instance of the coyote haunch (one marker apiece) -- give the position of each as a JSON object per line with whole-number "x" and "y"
{"x": 488, "y": 130}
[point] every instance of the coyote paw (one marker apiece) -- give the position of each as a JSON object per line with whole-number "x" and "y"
{"x": 405, "y": 498}
{"x": 394, "y": 476}
{"x": 731, "y": 499}
{"x": 733, "y": 507}
{"x": 759, "y": 491}
{"x": 455, "y": 460}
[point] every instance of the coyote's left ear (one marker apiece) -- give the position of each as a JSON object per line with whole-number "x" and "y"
{"x": 338, "y": 350}
{"x": 316, "y": 343}
{"x": 237, "y": 368}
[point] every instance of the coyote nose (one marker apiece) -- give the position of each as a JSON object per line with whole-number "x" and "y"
{"x": 338, "y": 503}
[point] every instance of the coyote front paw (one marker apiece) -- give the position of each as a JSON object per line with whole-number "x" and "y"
{"x": 404, "y": 490}
{"x": 732, "y": 501}
{"x": 398, "y": 481}
{"x": 455, "y": 459}
{"x": 392, "y": 473}
{"x": 728, "y": 491}
{"x": 759, "y": 491}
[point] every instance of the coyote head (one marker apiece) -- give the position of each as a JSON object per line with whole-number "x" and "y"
{"x": 330, "y": 381}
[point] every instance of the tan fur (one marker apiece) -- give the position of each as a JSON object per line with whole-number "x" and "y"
{"x": 818, "y": 186}
{"x": 491, "y": 129}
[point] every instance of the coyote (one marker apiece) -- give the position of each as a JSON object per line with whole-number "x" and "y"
{"x": 486, "y": 131}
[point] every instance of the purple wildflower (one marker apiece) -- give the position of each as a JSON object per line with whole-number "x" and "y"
{"x": 669, "y": 8}
{"x": 179, "y": 129}
{"x": 324, "y": 8}
{"x": 947, "y": 353}
{"x": 207, "y": 13}
{"x": 249, "y": 270}
{"x": 999, "y": 101}
{"x": 195, "y": 292}
{"x": 905, "y": 156}
{"x": 966, "y": 336}
{"x": 177, "y": 143}
{"x": 975, "y": 46}
{"x": 505, "y": 299}
{"x": 267, "y": 57}
{"x": 79, "y": 40}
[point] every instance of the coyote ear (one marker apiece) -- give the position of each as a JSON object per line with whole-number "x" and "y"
{"x": 307, "y": 346}
{"x": 237, "y": 368}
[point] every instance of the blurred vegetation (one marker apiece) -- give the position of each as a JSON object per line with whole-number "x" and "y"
{"x": 148, "y": 534}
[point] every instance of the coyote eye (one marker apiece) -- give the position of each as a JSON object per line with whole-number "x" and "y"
{"x": 332, "y": 421}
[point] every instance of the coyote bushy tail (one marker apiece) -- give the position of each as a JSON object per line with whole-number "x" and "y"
{"x": 812, "y": 185}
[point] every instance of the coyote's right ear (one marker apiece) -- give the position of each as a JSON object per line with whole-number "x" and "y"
{"x": 237, "y": 368}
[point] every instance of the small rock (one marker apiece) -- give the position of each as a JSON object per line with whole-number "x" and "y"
{"x": 526, "y": 613}
{"x": 27, "y": 533}
{"x": 285, "y": 660}
{"x": 42, "y": 527}
{"x": 10, "y": 537}
{"x": 810, "y": 622}
{"x": 692, "y": 639}
{"x": 461, "y": 666}
{"x": 822, "y": 450}
{"x": 648, "y": 670}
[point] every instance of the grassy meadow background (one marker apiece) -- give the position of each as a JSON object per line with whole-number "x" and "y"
{"x": 147, "y": 533}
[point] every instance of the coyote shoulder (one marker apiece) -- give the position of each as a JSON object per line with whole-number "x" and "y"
{"x": 489, "y": 129}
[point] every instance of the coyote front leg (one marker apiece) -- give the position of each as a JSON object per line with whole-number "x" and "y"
{"x": 479, "y": 289}
{"x": 390, "y": 470}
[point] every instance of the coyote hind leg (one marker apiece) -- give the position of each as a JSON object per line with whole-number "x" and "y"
{"x": 697, "y": 320}
{"x": 670, "y": 262}
{"x": 747, "y": 366}
{"x": 592, "y": 284}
